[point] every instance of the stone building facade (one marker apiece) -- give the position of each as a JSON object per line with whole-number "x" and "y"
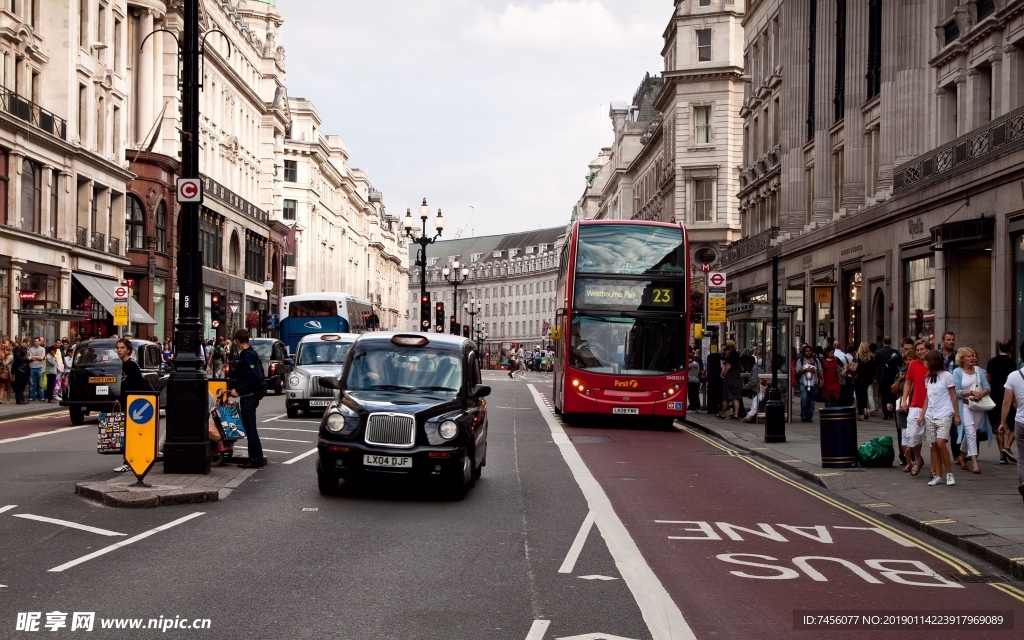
{"x": 889, "y": 181}
{"x": 512, "y": 278}
{"x": 345, "y": 240}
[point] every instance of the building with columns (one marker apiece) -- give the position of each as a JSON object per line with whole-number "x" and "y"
{"x": 889, "y": 181}
{"x": 344, "y": 239}
{"x": 678, "y": 144}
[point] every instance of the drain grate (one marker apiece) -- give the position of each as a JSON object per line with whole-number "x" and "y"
{"x": 982, "y": 579}
{"x": 590, "y": 440}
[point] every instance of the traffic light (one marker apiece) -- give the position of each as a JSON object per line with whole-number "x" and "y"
{"x": 425, "y": 312}
{"x": 439, "y": 317}
{"x": 465, "y": 331}
{"x": 453, "y": 325}
{"x": 216, "y": 311}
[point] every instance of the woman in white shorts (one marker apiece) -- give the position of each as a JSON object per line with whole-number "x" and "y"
{"x": 972, "y": 420}
{"x": 938, "y": 415}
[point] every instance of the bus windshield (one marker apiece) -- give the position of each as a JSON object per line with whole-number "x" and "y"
{"x": 312, "y": 308}
{"x": 630, "y": 249}
{"x": 628, "y": 346}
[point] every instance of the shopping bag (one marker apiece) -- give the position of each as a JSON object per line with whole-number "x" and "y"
{"x": 111, "y": 431}
{"x": 230, "y": 421}
{"x": 877, "y": 452}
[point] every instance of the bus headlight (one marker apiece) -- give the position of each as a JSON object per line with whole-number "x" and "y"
{"x": 448, "y": 429}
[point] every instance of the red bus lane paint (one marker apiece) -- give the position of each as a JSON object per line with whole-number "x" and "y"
{"x": 743, "y": 550}
{"x": 661, "y": 614}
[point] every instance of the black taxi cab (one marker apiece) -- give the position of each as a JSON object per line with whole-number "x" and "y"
{"x": 94, "y": 382}
{"x": 409, "y": 405}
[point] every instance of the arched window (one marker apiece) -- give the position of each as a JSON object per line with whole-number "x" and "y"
{"x": 161, "y": 228}
{"x": 234, "y": 254}
{"x": 135, "y": 224}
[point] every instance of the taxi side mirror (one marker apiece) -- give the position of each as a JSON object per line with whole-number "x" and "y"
{"x": 289, "y": 362}
{"x": 330, "y": 382}
{"x": 480, "y": 391}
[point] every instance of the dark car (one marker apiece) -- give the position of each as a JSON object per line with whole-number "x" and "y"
{"x": 276, "y": 363}
{"x": 94, "y": 382}
{"x": 409, "y": 405}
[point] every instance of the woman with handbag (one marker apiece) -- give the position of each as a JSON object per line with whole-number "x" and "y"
{"x": 972, "y": 392}
{"x": 6, "y": 374}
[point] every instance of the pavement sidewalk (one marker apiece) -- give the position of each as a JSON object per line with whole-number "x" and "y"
{"x": 165, "y": 489}
{"x": 981, "y": 514}
{"x": 10, "y": 410}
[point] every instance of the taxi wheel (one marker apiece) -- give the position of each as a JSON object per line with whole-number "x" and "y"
{"x": 77, "y": 416}
{"x": 461, "y": 482}
{"x": 326, "y": 482}
{"x": 293, "y": 412}
{"x": 279, "y": 389}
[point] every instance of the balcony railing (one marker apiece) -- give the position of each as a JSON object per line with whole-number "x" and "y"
{"x": 985, "y": 143}
{"x": 23, "y": 108}
{"x": 746, "y": 247}
{"x": 114, "y": 246}
{"x": 97, "y": 241}
{"x": 82, "y": 237}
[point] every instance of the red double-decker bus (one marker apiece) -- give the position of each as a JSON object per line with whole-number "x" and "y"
{"x": 622, "y": 333}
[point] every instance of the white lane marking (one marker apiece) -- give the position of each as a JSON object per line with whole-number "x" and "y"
{"x": 44, "y": 433}
{"x": 287, "y": 440}
{"x": 577, "y": 545}
{"x": 125, "y": 543}
{"x": 300, "y": 456}
{"x": 596, "y": 577}
{"x": 903, "y": 542}
{"x": 538, "y": 629}
{"x": 274, "y": 418}
{"x": 664, "y": 619}
{"x": 65, "y": 523}
{"x": 593, "y": 636}
{"x": 7, "y": 508}
{"x": 283, "y": 429}
{"x": 264, "y": 451}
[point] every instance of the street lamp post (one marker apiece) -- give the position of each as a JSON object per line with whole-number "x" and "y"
{"x": 774, "y": 412}
{"x": 423, "y": 240}
{"x": 268, "y": 284}
{"x": 472, "y": 308}
{"x": 187, "y": 447}
{"x": 455, "y": 277}
{"x": 481, "y": 337}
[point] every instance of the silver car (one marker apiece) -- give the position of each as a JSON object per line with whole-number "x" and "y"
{"x": 318, "y": 355}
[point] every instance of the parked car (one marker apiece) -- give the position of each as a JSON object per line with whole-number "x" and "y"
{"x": 94, "y": 382}
{"x": 276, "y": 363}
{"x": 317, "y": 355}
{"x": 409, "y": 405}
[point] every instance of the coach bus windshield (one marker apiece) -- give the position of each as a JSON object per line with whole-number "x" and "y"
{"x": 628, "y": 346}
{"x": 630, "y": 249}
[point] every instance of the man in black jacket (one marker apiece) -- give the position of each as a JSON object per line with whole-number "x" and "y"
{"x": 20, "y": 370}
{"x": 250, "y": 386}
{"x": 887, "y": 364}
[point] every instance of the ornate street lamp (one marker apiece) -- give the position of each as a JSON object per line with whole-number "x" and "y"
{"x": 455, "y": 277}
{"x": 472, "y": 308}
{"x": 423, "y": 240}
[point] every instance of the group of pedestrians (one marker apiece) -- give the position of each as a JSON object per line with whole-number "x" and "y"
{"x": 32, "y": 365}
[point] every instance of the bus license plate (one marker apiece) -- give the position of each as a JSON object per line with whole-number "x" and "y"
{"x": 387, "y": 461}
{"x": 319, "y": 403}
{"x": 633, "y": 411}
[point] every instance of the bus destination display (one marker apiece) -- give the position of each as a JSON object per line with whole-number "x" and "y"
{"x": 607, "y": 294}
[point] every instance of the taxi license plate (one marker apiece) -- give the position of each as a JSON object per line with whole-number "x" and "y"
{"x": 633, "y": 411}
{"x": 102, "y": 379}
{"x": 319, "y": 403}
{"x": 103, "y": 391}
{"x": 388, "y": 461}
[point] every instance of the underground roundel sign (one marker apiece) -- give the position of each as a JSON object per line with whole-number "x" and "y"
{"x": 190, "y": 190}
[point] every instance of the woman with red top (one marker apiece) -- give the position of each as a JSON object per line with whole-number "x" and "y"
{"x": 830, "y": 377}
{"x": 914, "y": 395}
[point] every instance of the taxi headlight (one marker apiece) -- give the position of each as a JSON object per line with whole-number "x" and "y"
{"x": 335, "y": 422}
{"x": 448, "y": 429}
{"x": 293, "y": 381}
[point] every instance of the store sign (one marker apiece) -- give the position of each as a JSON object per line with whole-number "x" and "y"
{"x": 27, "y": 295}
{"x": 794, "y": 297}
{"x": 823, "y": 295}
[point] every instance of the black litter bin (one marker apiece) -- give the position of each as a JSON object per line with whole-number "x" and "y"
{"x": 838, "y": 437}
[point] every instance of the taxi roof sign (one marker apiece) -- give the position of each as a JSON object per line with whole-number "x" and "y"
{"x": 142, "y": 433}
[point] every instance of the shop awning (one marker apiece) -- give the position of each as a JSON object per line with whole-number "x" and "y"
{"x": 59, "y": 315}
{"x": 102, "y": 290}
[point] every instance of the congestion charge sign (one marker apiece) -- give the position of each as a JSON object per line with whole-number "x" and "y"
{"x": 190, "y": 190}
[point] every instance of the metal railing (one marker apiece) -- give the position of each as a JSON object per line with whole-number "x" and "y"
{"x": 82, "y": 237}
{"x": 24, "y": 109}
{"x": 98, "y": 241}
{"x": 746, "y": 247}
{"x": 114, "y": 246}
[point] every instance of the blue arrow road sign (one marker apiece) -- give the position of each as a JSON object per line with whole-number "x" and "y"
{"x": 141, "y": 410}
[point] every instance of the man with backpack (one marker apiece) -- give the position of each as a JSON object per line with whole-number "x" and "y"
{"x": 249, "y": 385}
{"x": 215, "y": 363}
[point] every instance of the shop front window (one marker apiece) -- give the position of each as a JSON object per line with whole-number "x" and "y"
{"x": 919, "y": 284}
{"x": 160, "y": 307}
{"x": 853, "y": 308}
{"x": 5, "y": 302}
{"x": 1018, "y": 291}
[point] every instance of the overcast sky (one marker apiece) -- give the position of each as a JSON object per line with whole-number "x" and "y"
{"x": 492, "y": 104}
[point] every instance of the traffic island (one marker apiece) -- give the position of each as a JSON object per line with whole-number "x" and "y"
{"x": 165, "y": 489}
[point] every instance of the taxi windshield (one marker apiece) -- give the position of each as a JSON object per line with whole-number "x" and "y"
{"x": 323, "y": 353}
{"x": 404, "y": 369}
{"x": 262, "y": 349}
{"x": 87, "y": 355}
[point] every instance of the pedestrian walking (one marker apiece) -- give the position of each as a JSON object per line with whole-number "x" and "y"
{"x": 971, "y": 390}
{"x": 830, "y": 387}
{"x": 713, "y": 381}
{"x": 521, "y": 362}
{"x": 694, "y": 374}
{"x": 6, "y": 374}
{"x": 732, "y": 384}
{"x": 132, "y": 380}
{"x": 939, "y": 415}
{"x": 898, "y": 408}
{"x": 863, "y": 377}
{"x": 914, "y": 394}
{"x": 998, "y": 370}
{"x": 249, "y": 386}
{"x": 808, "y": 370}
{"x": 753, "y": 389}
{"x": 1015, "y": 385}
{"x": 36, "y": 361}
{"x": 50, "y": 371}
{"x": 887, "y": 364}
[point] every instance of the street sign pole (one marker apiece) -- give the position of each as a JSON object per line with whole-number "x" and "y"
{"x": 187, "y": 449}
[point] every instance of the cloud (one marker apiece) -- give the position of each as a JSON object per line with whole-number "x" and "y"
{"x": 583, "y": 26}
